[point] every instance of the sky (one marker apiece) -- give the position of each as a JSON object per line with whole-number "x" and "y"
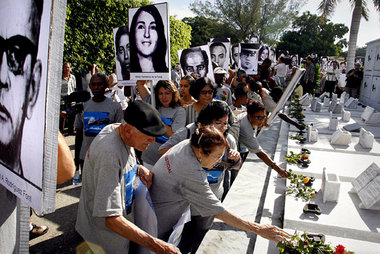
{"x": 368, "y": 31}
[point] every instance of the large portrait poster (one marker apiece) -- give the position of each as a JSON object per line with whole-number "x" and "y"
{"x": 149, "y": 42}
{"x": 25, "y": 42}
{"x": 248, "y": 57}
{"x": 220, "y": 52}
{"x": 123, "y": 56}
{"x": 196, "y": 60}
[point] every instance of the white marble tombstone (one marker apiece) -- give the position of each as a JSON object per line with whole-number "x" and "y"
{"x": 340, "y": 137}
{"x": 346, "y": 115}
{"x": 330, "y": 186}
{"x": 333, "y": 125}
{"x": 366, "y": 138}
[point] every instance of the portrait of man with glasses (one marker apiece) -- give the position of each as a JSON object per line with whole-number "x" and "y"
{"x": 20, "y": 75}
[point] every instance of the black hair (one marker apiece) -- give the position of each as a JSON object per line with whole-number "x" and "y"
{"x": 102, "y": 76}
{"x": 239, "y": 92}
{"x": 267, "y": 61}
{"x": 213, "y": 111}
{"x": 184, "y": 54}
{"x": 255, "y": 106}
{"x": 276, "y": 93}
{"x": 217, "y": 43}
{"x": 121, "y": 31}
{"x": 199, "y": 84}
{"x": 158, "y": 56}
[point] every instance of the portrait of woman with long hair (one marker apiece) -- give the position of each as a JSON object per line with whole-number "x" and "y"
{"x": 148, "y": 43}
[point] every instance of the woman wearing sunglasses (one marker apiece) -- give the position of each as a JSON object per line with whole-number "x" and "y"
{"x": 180, "y": 181}
{"x": 256, "y": 118}
{"x": 203, "y": 90}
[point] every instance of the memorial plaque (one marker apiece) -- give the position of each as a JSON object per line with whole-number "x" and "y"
{"x": 367, "y": 176}
{"x": 373, "y": 119}
{"x": 370, "y": 194}
{"x": 368, "y": 111}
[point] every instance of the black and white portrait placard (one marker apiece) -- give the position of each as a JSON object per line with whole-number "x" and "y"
{"x": 248, "y": 57}
{"x": 24, "y": 47}
{"x": 196, "y": 60}
{"x": 220, "y": 52}
{"x": 149, "y": 42}
{"x": 123, "y": 56}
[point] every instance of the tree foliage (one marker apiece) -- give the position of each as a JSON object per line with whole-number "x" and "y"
{"x": 313, "y": 34}
{"x": 180, "y": 36}
{"x": 243, "y": 15}
{"x": 203, "y": 29}
{"x": 275, "y": 17}
{"x": 89, "y": 32}
{"x": 265, "y": 18}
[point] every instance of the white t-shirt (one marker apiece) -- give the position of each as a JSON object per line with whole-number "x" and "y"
{"x": 281, "y": 70}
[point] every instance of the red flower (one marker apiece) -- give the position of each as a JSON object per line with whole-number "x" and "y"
{"x": 304, "y": 157}
{"x": 339, "y": 249}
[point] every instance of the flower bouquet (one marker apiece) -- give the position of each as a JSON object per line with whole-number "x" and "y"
{"x": 308, "y": 243}
{"x": 298, "y": 186}
{"x": 300, "y": 158}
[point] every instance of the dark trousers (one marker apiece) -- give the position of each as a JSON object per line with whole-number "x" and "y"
{"x": 330, "y": 87}
{"x": 307, "y": 88}
{"x": 193, "y": 233}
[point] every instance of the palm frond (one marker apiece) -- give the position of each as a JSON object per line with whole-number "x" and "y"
{"x": 326, "y": 7}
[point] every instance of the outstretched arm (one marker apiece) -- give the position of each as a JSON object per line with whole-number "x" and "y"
{"x": 290, "y": 121}
{"x": 265, "y": 158}
{"x": 127, "y": 229}
{"x": 270, "y": 232}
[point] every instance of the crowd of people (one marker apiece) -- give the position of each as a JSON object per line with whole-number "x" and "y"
{"x": 193, "y": 142}
{"x": 187, "y": 149}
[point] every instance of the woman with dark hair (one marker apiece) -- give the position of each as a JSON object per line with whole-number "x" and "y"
{"x": 184, "y": 86}
{"x": 172, "y": 114}
{"x": 203, "y": 90}
{"x": 180, "y": 181}
{"x": 148, "y": 42}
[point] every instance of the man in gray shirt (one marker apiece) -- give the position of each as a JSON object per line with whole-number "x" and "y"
{"x": 256, "y": 117}
{"x": 107, "y": 208}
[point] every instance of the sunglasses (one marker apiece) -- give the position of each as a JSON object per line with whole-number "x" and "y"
{"x": 207, "y": 92}
{"x": 17, "y": 48}
{"x": 259, "y": 117}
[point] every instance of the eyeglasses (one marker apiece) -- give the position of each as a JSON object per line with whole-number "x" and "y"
{"x": 207, "y": 92}
{"x": 221, "y": 124}
{"x": 259, "y": 117}
{"x": 217, "y": 159}
{"x": 17, "y": 48}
